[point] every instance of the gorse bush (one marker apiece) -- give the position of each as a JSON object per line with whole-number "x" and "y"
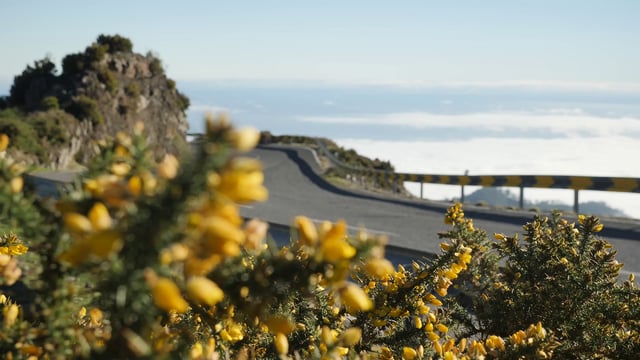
{"x": 85, "y": 108}
{"x": 152, "y": 260}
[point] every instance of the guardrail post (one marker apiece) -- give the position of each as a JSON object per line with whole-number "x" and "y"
{"x": 576, "y": 204}
{"x": 521, "y": 201}
{"x": 466, "y": 173}
{"x": 421, "y": 186}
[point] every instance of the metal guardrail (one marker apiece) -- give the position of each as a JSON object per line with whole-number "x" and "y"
{"x": 575, "y": 183}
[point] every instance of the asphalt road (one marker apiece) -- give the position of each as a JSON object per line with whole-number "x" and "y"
{"x": 292, "y": 176}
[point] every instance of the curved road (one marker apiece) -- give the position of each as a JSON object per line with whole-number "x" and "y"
{"x": 292, "y": 176}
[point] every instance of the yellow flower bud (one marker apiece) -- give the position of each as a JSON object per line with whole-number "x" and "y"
{"x": 417, "y": 322}
{"x": 204, "y": 291}
{"x": 135, "y": 185}
{"x": 281, "y": 343}
{"x": 499, "y": 236}
{"x": 279, "y": 324}
{"x": 462, "y": 345}
{"x": 166, "y": 296}
{"x": 598, "y": 228}
{"x": 442, "y": 328}
{"x": 99, "y": 217}
{"x": 77, "y": 223}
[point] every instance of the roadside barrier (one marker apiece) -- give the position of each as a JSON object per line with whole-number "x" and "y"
{"x": 575, "y": 183}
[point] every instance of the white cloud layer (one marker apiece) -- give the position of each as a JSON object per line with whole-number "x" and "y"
{"x": 564, "y": 122}
{"x": 590, "y": 156}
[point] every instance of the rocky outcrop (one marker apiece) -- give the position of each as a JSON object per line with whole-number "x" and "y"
{"x": 108, "y": 88}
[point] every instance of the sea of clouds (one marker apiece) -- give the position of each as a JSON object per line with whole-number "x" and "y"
{"x": 557, "y": 142}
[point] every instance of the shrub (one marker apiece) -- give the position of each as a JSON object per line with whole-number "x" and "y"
{"x": 154, "y": 261}
{"x": 73, "y": 64}
{"x": 155, "y": 65}
{"x": 183, "y": 101}
{"x": 50, "y": 103}
{"x": 43, "y": 70}
{"x": 51, "y": 125}
{"x": 108, "y": 78}
{"x": 96, "y": 52}
{"x": 115, "y": 43}
{"x": 85, "y": 108}
{"x": 23, "y": 135}
{"x": 133, "y": 90}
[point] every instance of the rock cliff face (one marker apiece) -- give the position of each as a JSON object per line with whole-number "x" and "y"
{"x": 108, "y": 88}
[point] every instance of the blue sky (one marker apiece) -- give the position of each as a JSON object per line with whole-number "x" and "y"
{"x": 549, "y": 41}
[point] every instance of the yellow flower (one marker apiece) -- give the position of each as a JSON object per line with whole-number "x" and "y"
{"x": 82, "y": 312}
{"x": 281, "y": 343}
{"x": 9, "y": 315}
{"x": 244, "y": 139}
{"x": 351, "y": 336}
{"x": 16, "y": 184}
{"x": 499, "y": 236}
{"x": 378, "y": 268}
{"x": 77, "y": 223}
{"x": 334, "y": 246}
{"x": 307, "y": 233}
{"x": 255, "y": 232}
{"x": 99, "y": 217}
{"x": 166, "y": 296}
{"x": 95, "y": 316}
{"x": 196, "y": 351}
{"x": 204, "y": 291}
{"x": 120, "y": 169}
{"x": 495, "y": 342}
{"x": 279, "y": 324}
{"x": 598, "y": 227}
{"x": 168, "y": 168}
{"x": 581, "y": 219}
{"x": 241, "y": 181}
{"x": 354, "y": 298}
{"x": 409, "y": 353}
{"x": 4, "y": 142}
{"x": 103, "y": 243}
{"x": 336, "y": 250}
